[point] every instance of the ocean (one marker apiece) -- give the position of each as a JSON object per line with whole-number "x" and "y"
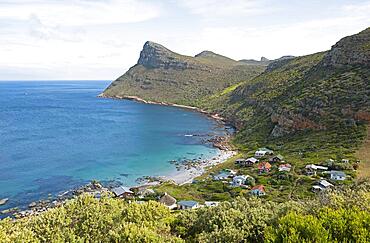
{"x": 57, "y": 135}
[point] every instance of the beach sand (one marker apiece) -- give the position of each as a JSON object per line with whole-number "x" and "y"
{"x": 184, "y": 176}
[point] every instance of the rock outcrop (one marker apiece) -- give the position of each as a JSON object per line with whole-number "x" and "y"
{"x": 351, "y": 50}
{"x": 155, "y": 55}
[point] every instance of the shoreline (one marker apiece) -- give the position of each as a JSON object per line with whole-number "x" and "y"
{"x": 187, "y": 175}
{"x": 184, "y": 175}
{"x": 214, "y": 116}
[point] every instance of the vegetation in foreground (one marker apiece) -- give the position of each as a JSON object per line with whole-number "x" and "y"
{"x": 335, "y": 216}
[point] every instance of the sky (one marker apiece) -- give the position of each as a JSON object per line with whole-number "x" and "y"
{"x": 101, "y": 39}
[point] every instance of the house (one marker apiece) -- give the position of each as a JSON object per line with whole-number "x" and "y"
{"x": 345, "y": 161}
{"x": 311, "y": 169}
{"x": 277, "y": 159}
{"x": 123, "y": 192}
{"x": 285, "y": 167}
{"x": 168, "y": 201}
{"x": 143, "y": 192}
{"x": 182, "y": 205}
{"x": 337, "y": 175}
{"x": 264, "y": 167}
{"x": 239, "y": 180}
{"x": 224, "y": 174}
{"x": 246, "y": 162}
{"x": 263, "y": 152}
{"x": 322, "y": 185}
{"x": 239, "y": 161}
{"x": 211, "y": 203}
{"x": 258, "y": 190}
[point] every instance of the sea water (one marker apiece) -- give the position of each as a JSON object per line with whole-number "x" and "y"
{"x": 57, "y": 135}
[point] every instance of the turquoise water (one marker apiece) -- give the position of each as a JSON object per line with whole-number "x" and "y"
{"x": 55, "y": 136}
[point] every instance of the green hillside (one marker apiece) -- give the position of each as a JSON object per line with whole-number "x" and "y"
{"x": 316, "y": 103}
{"x": 164, "y": 76}
{"x": 310, "y": 109}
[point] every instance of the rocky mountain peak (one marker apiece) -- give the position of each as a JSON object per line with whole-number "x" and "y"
{"x": 351, "y": 50}
{"x": 154, "y": 55}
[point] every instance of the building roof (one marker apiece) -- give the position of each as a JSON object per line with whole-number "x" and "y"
{"x": 240, "y": 177}
{"x": 211, "y": 203}
{"x": 167, "y": 200}
{"x": 259, "y": 188}
{"x": 285, "y": 165}
{"x": 145, "y": 191}
{"x": 118, "y": 191}
{"x": 252, "y": 159}
{"x": 265, "y": 150}
{"x": 316, "y": 167}
{"x": 325, "y": 183}
{"x": 188, "y": 203}
{"x": 337, "y": 173}
{"x": 279, "y": 156}
{"x": 264, "y": 165}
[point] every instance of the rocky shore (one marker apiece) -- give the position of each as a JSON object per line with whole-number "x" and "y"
{"x": 187, "y": 170}
{"x": 140, "y": 100}
{"x": 34, "y": 208}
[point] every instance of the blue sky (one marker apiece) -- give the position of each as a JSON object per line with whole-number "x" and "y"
{"x": 101, "y": 39}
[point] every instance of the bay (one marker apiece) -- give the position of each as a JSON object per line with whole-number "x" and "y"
{"x": 57, "y": 135}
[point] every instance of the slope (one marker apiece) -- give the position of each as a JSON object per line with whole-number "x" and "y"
{"x": 164, "y": 76}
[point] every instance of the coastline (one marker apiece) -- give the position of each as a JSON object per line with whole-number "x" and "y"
{"x": 215, "y": 116}
{"x": 184, "y": 175}
{"x": 187, "y": 175}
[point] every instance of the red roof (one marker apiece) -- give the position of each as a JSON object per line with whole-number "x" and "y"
{"x": 259, "y": 187}
{"x": 264, "y": 165}
{"x": 285, "y": 165}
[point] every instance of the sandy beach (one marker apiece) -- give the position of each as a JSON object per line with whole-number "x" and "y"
{"x": 184, "y": 176}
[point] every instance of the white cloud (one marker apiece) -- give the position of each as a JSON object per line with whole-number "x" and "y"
{"x": 214, "y": 8}
{"x": 95, "y": 39}
{"x": 80, "y": 12}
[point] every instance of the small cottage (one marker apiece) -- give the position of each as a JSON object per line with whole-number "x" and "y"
{"x": 168, "y": 201}
{"x": 277, "y": 159}
{"x": 285, "y": 167}
{"x": 211, "y": 203}
{"x": 239, "y": 161}
{"x": 182, "y": 205}
{"x": 122, "y": 192}
{"x": 144, "y": 192}
{"x": 311, "y": 169}
{"x": 239, "y": 180}
{"x": 258, "y": 190}
{"x": 322, "y": 185}
{"x": 246, "y": 162}
{"x": 224, "y": 174}
{"x": 264, "y": 167}
{"x": 263, "y": 152}
{"x": 337, "y": 175}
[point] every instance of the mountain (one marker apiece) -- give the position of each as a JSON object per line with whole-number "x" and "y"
{"x": 318, "y": 102}
{"x": 162, "y": 75}
{"x": 315, "y": 103}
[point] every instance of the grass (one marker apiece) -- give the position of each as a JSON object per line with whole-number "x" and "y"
{"x": 364, "y": 155}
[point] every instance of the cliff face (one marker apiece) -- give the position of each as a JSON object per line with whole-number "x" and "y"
{"x": 162, "y": 75}
{"x": 155, "y": 55}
